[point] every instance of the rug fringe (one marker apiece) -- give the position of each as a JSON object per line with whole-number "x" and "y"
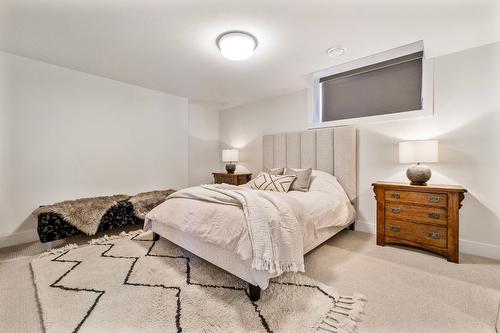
{"x": 65, "y": 248}
{"x": 93, "y": 241}
{"x": 122, "y": 234}
{"x": 343, "y": 315}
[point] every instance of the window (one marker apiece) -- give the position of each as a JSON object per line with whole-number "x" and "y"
{"x": 387, "y": 85}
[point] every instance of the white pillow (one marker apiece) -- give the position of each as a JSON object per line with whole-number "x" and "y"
{"x": 301, "y": 183}
{"x": 320, "y": 178}
{"x": 323, "y": 181}
{"x": 274, "y": 171}
{"x": 267, "y": 182}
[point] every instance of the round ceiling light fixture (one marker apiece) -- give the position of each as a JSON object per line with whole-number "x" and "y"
{"x": 236, "y": 45}
{"x": 336, "y": 51}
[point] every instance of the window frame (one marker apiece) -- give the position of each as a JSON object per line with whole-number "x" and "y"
{"x": 427, "y": 88}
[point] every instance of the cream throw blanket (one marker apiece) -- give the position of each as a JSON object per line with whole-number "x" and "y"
{"x": 275, "y": 233}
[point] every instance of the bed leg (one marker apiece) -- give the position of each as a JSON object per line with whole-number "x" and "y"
{"x": 49, "y": 246}
{"x": 254, "y": 292}
{"x": 156, "y": 237}
{"x": 351, "y": 226}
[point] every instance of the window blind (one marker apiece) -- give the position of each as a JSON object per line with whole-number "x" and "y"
{"x": 390, "y": 86}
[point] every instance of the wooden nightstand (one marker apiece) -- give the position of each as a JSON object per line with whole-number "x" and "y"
{"x": 420, "y": 216}
{"x": 231, "y": 178}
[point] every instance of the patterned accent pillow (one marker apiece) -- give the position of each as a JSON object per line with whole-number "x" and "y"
{"x": 267, "y": 182}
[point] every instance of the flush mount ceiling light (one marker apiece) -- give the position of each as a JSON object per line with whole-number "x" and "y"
{"x": 236, "y": 45}
{"x": 336, "y": 51}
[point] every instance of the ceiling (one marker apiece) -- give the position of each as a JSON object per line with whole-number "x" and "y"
{"x": 170, "y": 45}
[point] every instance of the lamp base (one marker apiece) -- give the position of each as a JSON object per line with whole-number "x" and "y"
{"x": 419, "y": 174}
{"x": 230, "y": 168}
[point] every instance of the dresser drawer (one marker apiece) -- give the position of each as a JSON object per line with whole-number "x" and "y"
{"x": 412, "y": 213}
{"x": 433, "y": 199}
{"x": 231, "y": 178}
{"x": 417, "y": 233}
{"x": 219, "y": 179}
{"x": 243, "y": 179}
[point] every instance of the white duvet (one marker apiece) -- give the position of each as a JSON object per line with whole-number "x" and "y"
{"x": 325, "y": 205}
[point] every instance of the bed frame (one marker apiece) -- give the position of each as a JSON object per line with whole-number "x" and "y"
{"x": 332, "y": 150}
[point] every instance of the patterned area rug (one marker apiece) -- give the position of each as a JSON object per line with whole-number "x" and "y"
{"x": 133, "y": 284}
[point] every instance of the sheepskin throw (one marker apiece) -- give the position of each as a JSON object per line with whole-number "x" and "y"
{"x": 84, "y": 214}
{"x": 133, "y": 284}
{"x": 89, "y": 215}
{"x": 52, "y": 226}
{"x": 145, "y": 201}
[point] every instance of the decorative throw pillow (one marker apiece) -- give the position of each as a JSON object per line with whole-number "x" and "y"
{"x": 267, "y": 182}
{"x": 301, "y": 183}
{"x": 275, "y": 171}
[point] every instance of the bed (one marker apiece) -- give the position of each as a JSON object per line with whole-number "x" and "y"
{"x": 325, "y": 210}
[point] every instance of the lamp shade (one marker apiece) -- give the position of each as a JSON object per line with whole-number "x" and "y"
{"x": 424, "y": 151}
{"x": 230, "y": 155}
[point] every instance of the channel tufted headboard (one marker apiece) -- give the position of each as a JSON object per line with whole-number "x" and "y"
{"x": 332, "y": 150}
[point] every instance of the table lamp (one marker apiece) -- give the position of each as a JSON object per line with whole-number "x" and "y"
{"x": 231, "y": 156}
{"x": 421, "y": 151}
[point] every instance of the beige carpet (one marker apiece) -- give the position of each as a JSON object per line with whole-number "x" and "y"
{"x": 133, "y": 284}
{"x": 18, "y": 306}
{"x": 407, "y": 290}
{"x": 410, "y": 290}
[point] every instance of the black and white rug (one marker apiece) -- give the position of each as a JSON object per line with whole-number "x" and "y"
{"x": 133, "y": 284}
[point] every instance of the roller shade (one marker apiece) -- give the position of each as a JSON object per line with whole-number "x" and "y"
{"x": 387, "y": 87}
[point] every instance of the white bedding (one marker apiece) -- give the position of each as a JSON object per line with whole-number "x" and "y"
{"x": 273, "y": 229}
{"x": 325, "y": 205}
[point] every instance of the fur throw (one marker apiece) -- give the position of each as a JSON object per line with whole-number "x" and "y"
{"x": 145, "y": 201}
{"x": 84, "y": 214}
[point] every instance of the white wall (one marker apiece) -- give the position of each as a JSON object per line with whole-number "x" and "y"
{"x": 204, "y": 147}
{"x": 243, "y": 127}
{"x": 466, "y": 122}
{"x": 66, "y": 134}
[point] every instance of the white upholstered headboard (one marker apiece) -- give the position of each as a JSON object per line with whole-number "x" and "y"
{"x": 332, "y": 150}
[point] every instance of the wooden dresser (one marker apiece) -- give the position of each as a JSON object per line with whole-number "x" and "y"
{"x": 231, "y": 178}
{"x": 420, "y": 216}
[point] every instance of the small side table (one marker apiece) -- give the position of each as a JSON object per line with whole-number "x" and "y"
{"x": 231, "y": 178}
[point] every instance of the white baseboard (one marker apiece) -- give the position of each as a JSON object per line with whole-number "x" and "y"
{"x": 370, "y": 228}
{"x": 466, "y": 246}
{"x": 19, "y": 237}
{"x": 480, "y": 249}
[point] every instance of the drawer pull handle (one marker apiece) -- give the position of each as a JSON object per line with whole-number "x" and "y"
{"x": 396, "y": 210}
{"x": 434, "y": 234}
{"x": 395, "y": 228}
{"x": 434, "y": 199}
{"x": 434, "y": 215}
{"x": 395, "y": 195}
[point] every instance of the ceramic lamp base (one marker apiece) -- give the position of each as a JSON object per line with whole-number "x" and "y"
{"x": 230, "y": 167}
{"x": 419, "y": 174}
